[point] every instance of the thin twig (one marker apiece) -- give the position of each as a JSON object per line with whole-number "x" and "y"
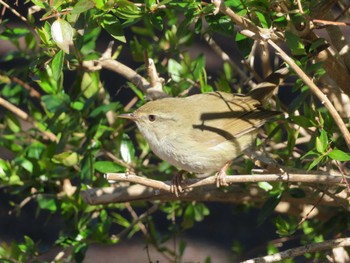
{"x": 140, "y": 218}
{"x": 14, "y": 12}
{"x": 298, "y": 251}
{"x": 321, "y": 96}
{"x": 32, "y": 92}
{"x": 136, "y": 218}
{"x": 24, "y": 116}
{"x": 312, "y": 209}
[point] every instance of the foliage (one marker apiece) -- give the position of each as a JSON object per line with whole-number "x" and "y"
{"x": 69, "y": 137}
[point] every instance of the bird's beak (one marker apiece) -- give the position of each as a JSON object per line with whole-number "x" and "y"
{"x": 130, "y": 116}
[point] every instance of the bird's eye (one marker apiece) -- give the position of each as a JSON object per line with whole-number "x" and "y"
{"x": 151, "y": 117}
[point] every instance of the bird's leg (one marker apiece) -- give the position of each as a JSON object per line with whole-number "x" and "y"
{"x": 221, "y": 175}
{"x": 176, "y": 182}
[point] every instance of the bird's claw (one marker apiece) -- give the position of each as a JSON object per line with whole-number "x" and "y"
{"x": 221, "y": 179}
{"x": 175, "y": 186}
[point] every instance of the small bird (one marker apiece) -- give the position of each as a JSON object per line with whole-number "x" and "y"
{"x": 203, "y": 133}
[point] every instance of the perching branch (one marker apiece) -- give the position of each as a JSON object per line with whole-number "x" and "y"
{"x": 206, "y": 190}
{"x": 298, "y": 251}
{"x": 231, "y": 179}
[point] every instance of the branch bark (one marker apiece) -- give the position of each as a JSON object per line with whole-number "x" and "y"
{"x": 298, "y": 251}
{"x": 206, "y": 190}
{"x": 107, "y": 62}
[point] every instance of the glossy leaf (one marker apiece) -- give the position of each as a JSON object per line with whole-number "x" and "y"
{"x": 57, "y": 65}
{"x": 108, "y": 167}
{"x": 62, "y": 33}
{"x": 339, "y": 155}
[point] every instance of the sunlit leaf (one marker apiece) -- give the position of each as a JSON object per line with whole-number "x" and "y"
{"x": 339, "y": 155}
{"x": 68, "y": 158}
{"x": 108, "y": 167}
{"x": 62, "y": 33}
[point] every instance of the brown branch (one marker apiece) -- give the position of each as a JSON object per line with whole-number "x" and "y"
{"x": 298, "y": 251}
{"x": 14, "y": 12}
{"x": 155, "y": 90}
{"x": 107, "y": 62}
{"x": 206, "y": 190}
{"x": 32, "y": 92}
{"x": 231, "y": 179}
{"x": 24, "y": 116}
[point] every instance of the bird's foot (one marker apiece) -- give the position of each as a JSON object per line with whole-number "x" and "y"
{"x": 221, "y": 175}
{"x": 176, "y": 182}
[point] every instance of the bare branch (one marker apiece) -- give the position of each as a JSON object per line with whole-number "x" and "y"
{"x": 298, "y": 251}
{"x": 231, "y": 179}
{"x": 206, "y": 190}
{"x": 24, "y": 116}
{"x": 153, "y": 90}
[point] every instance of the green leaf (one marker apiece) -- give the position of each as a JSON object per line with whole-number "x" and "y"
{"x": 322, "y": 142}
{"x": 14, "y": 33}
{"x": 86, "y": 168}
{"x": 268, "y": 207}
{"x": 296, "y": 192}
{"x": 113, "y": 27}
{"x": 83, "y": 6}
{"x": 108, "y": 167}
{"x": 119, "y": 219}
{"x": 315, "y": 162}
{"x": 77, "y": 105}
{"x": 57, "y": 65}
{"x": 174, "y": 69}
{"x": 90, "y": 83}
{"x": 265, "y": 185}
{"x": 54, "y": 103}
{"x": 68, "y": 158}
{"x": 339, "y": 155}
{"x": 62, "y": 33}
{"x": 128, "y": 10}
{"x": 36, "y": 150}
{"x": 295, "y": 44}
{"x": 47, "y": 203}
{"x": 285, "y": 227}
{"x": 103, "y": 109}
{"x": 302, "y": 121}
{"x": 127, "y": 150}
{"x": 13, "y": 123}
{"x": 25, "y": 163}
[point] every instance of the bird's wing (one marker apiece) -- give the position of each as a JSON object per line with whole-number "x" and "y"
{"x": 232, "y": 116}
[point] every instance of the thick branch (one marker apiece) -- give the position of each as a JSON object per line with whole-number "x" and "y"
{"x": 298, "y": 251}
